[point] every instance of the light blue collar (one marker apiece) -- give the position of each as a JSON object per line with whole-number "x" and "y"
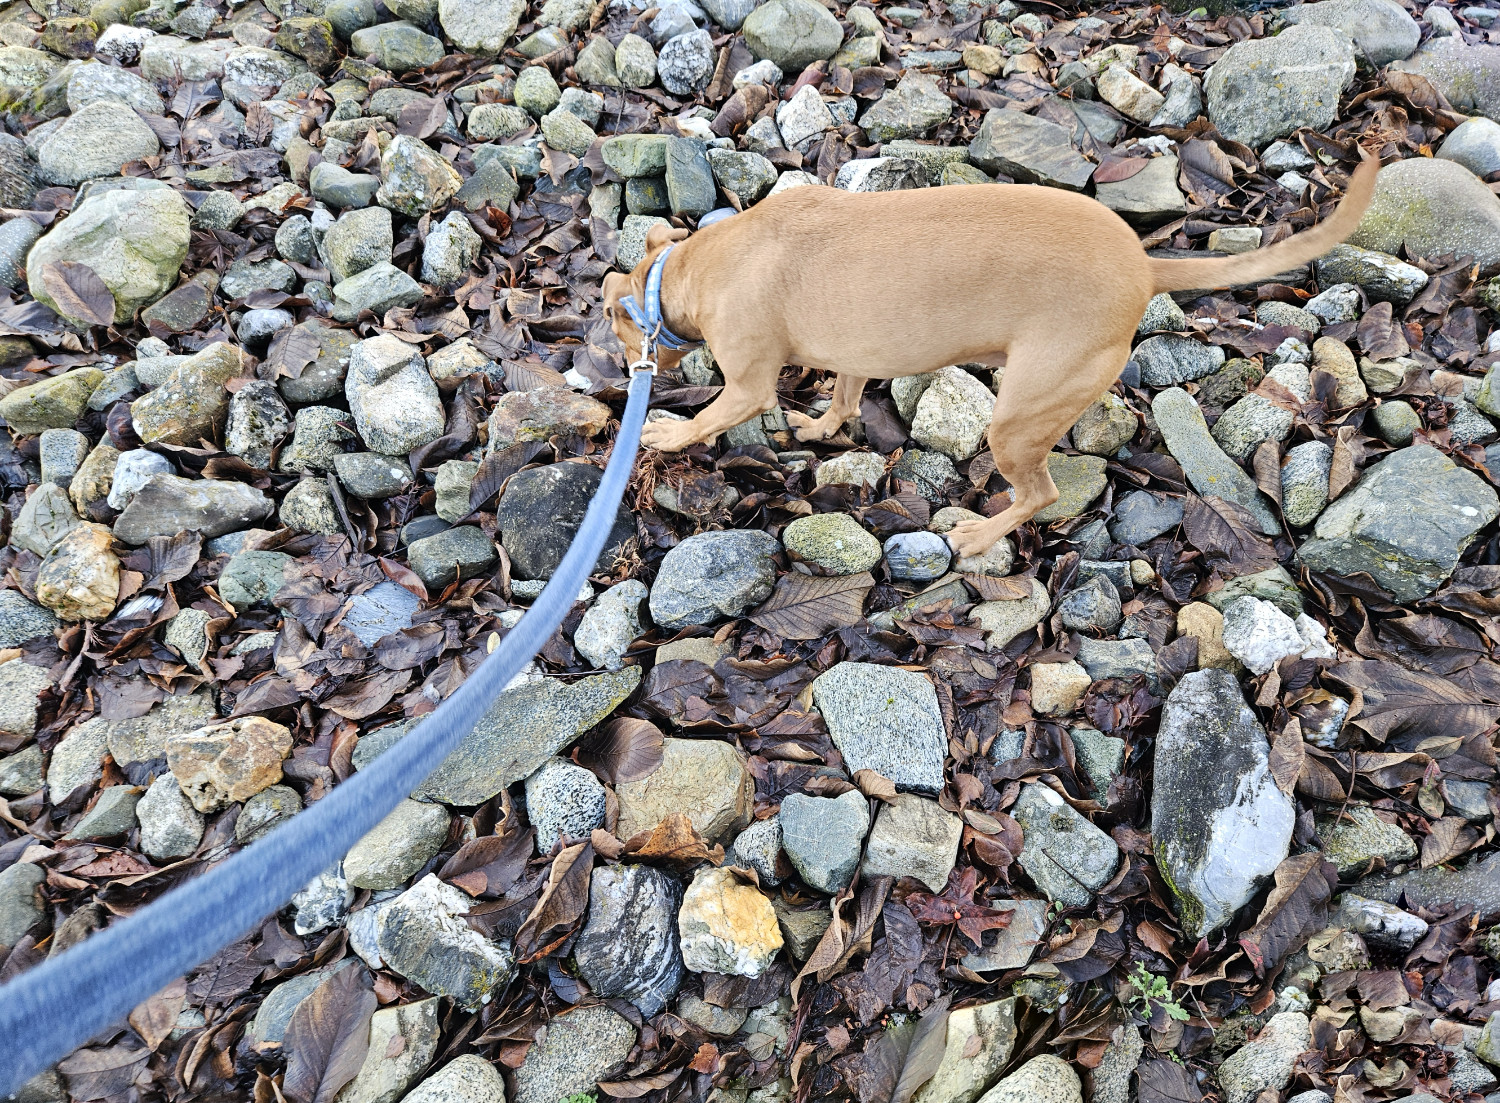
{"x": 649, "y": 320}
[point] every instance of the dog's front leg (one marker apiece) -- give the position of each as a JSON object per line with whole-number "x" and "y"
{"x": 845, "y": 404}
{"x": 735, "y": 404}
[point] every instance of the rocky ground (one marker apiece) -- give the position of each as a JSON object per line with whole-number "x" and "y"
{"x": 1185, "y": 792}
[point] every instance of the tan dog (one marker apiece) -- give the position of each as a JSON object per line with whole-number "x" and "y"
{"x": 878, "y": 285}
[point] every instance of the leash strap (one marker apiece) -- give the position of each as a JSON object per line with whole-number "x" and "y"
{"x": 51, "y": 1010}
{"x": 648, "y": 319}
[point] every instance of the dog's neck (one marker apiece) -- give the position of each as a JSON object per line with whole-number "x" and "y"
{"x": 676, "y": 296}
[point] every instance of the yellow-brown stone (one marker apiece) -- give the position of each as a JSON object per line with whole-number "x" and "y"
{"x": 1206, "y": 624}
{"x": 80, "y": 578}
{"x": 229, "y": 762}
{"x": 727, "y": 926}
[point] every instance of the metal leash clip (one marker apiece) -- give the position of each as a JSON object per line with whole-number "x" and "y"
{"x": 647, "y": 362}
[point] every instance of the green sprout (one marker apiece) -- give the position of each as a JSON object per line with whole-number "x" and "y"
{"x": 1154, "y": 991}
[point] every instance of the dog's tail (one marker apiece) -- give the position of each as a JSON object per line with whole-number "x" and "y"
{"x": 1191, "y": 275}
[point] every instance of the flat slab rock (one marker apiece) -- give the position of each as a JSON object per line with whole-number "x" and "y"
{"x": 526, "y": 725}
{"x": 887, "y": 720}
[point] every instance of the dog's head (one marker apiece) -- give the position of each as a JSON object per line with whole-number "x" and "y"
{"x": 618, "y": 285}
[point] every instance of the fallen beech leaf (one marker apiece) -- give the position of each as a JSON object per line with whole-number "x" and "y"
{"x": 328, "y": 1036}
{"x": 560, "y": 907}
{"x": 804, "y": 607}
{"x": 1296, "y": 910}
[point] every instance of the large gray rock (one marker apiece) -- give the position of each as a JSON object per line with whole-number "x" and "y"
{"x": 628, "y": 946}
{"x": 466, "y": 1079}
{"x": 563, "y": 801}
{"x": 1469, "y": 76}
{"x": 822, "y": 836}
{"x": 1430, "y": 206}
{"x": 792, "y": 33}
{"x": 525, "y": 726}
{"x": 1382, "y": 29}
{"x": 135, "y": 241}
{"x": 1379, "y": 275}
{"x": 885, "y": 719}
{"x": 1265, "y": 88}
{"x": 1406, "y": 523}
{"x": 1030, "y": 150}
{"x": 1219, "y": 824}
{"x": 169, "y": 504}
{"x": 1210, "y": 471}
{"x": 712, "y": 576}
{"x": 582, "y": 1047}
{"x": 97, "y": 141}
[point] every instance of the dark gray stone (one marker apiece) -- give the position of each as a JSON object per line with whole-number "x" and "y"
{"x": 1093, "y": 605}
{"x": 690, "y": 180}
{"x": 628, "y": 948}
{"x": 440, "y": 558}
{"x": 372, "y": 475}
{"x": 252, "y": 577}
{"x": 540, "y": 512}
{"x": 1117, "y": 659}
{"x": 1169, "y": 359}
{"x": 823, "y": 837}
{"x": 1406, "y": 523}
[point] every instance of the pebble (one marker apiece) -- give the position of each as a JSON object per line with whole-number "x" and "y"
{"x": 539, "y": 513}
{"x": 1066, "y": 856}
{"x": 1044, "y": 1079}
{"x": 112, "y": 814}
{"x": 913, "y": 837}
{"x": 403, "y": 1041}
{"x": 611, "y": 624}
{"x": 758, "y": 847}
{"x": 918, "y": 556}
{"x": 465, "y": 1079}
{"x": 1093, "y": 605}
{"x": 1409, "y": 550}
{"x": 851, "y": 469}
{"x": 422, "y": 936}
{"x": 398, "y": 846}
{"x": 1003, "y": 621}
{"x": 322, "y": 902}
{"x": 439, "y": 559}
{"x": 581, "y": 1048}
{"x": 822, "y": 837}
{"x": 1360, "y": 837}
{"x": 705, "y": 780}
{"x": 1266, "y": 1063}
{"x": 1207, "y": 468}
{"x": 712, "y": 576}
{"x": 1259, "y": 634}
{"x": 563, "y": 801}
{"x": 1057, "y": 688}
{"x": 264, "y": 811}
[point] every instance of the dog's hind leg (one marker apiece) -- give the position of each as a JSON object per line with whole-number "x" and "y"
{"x": 746, "y": 394}
{"x": 1040, "y": 398}
{"x": 846, "y": 393}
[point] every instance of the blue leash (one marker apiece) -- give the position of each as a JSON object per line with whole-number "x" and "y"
{"x": 53, "y": 1009}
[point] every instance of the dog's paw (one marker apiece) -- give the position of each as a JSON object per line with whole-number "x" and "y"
{"x": 667, "y": 435}
{"x": 969, "y": 538}
{"x": 807, "y": 429}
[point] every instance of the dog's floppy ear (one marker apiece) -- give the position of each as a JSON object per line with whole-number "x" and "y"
{"x": 660, "y": 235}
